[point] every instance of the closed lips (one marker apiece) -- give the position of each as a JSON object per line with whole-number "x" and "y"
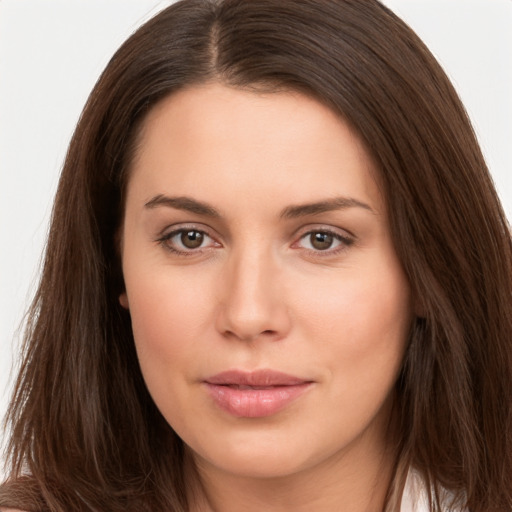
{"x": 255, "y": 394}
{"x": 258, "y": 378}
{"x": 246, "y": 387}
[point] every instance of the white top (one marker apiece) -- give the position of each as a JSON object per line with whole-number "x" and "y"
{"x": 415, "y": 496}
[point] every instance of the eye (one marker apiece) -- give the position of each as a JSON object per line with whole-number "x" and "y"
{"x": 321, "y": 241}
{"x": 191, "y": 239}
{"x": 324, "y": 241}
{"x": 187, "y": 240}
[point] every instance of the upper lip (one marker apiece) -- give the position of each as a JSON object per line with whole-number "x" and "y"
{"x": 255, "y": 378}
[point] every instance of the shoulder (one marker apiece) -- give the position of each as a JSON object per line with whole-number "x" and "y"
{"x": 3, "y": 509}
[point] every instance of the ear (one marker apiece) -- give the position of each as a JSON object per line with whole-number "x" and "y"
{"x": 123, "y": 300}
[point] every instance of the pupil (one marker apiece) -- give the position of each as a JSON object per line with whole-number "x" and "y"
{"x": 321, "y": 241}
{"x": 192, "y": 239}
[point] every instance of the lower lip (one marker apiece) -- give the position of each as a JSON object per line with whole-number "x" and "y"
{"x": 255, "y": 403}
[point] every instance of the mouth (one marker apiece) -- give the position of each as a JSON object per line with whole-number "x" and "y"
{"x": 255, "y": 394}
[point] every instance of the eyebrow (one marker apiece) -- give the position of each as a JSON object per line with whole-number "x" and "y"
{"x": 337, "y": 203}
{"x": 290, "y": 212}
{"x": 183, "y": 203}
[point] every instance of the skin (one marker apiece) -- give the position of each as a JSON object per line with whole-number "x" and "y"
{"x": 258, "y": 293}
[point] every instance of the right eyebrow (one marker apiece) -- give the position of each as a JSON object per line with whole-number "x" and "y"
{"x": 183, "y": 203}
{"x": 337, "y": 203}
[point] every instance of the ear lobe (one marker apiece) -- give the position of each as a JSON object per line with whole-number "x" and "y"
{"x": 123, "y": 300}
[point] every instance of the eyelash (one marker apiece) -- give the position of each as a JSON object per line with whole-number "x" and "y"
{"x": 344, "y": 242}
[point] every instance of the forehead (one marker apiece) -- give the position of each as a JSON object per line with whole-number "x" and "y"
{"x": 210, "y": 136}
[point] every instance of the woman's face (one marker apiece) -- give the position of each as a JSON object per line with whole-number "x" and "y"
{"x": 269, "y": 309}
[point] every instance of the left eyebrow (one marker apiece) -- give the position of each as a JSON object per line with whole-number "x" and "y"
{"x": 338, "y": 203}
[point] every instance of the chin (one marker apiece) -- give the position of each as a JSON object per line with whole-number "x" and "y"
{"x": 261, "y": 465}
{"x": 263, "y": 454}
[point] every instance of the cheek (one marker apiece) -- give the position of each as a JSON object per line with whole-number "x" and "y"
{"x": 361, "y": 324}
{"x": 169, "y": 320}
{"x": 168, "y": 316}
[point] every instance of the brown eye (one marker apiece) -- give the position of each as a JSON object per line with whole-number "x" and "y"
{"x": 325, "y": 242}
{"x": 188, "y": 241}
{"x": 192, "y": 239}
{"x": 321, "y": 241}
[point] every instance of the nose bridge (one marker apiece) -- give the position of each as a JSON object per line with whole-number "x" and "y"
{"x": 253, "y": 302}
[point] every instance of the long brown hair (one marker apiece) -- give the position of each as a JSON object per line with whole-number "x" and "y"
{"x": 86, "y": 435}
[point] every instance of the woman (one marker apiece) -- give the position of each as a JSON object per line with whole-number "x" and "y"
{"x": 277, "y": 278}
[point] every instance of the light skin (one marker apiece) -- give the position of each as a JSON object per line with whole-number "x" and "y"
{"x": 289, "y": 266}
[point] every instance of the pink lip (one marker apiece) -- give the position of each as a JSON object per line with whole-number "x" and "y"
{"x": 255, "y": 394}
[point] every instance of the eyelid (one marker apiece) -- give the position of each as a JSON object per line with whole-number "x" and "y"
{"x": 324, "y": 228}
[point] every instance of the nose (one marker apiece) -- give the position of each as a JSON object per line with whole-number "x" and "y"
{"x": 253, "y": 301}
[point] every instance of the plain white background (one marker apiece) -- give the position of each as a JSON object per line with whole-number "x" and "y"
{"x": 52, "y": 52}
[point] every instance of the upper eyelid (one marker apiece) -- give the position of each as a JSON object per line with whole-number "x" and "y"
{"x": 319, "y": 228}
{"x": 175, "y": 232}
{"x": 177, "y": 228}
{"x": 172, "y": 233}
